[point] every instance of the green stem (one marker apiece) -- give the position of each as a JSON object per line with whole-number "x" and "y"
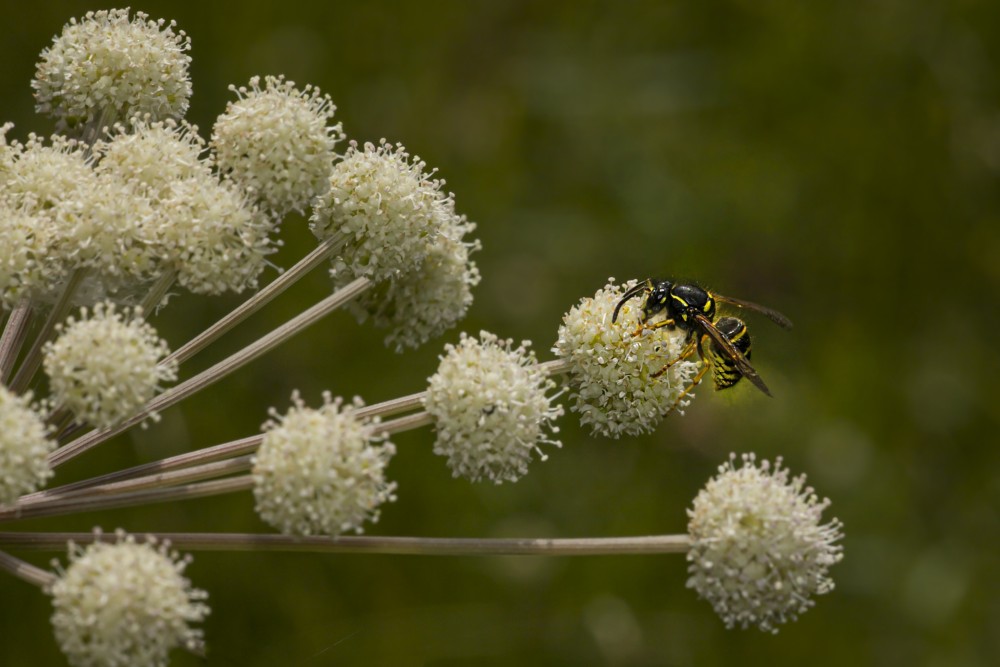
{"x": 257, "y": 301}
{"x": 157, "y": 480}
{"x": 14, "y": 333}
{"x": 188, "y": 459}
{"x": 410, "y": 546}
{"x": 220, "y": 370}
{"x": 202, "y": 464}
{"x": 34, "y": 357}
{"x": 26, "y": 571}
{"x": 156, "y": 292}
{"x": 92, "y": 503}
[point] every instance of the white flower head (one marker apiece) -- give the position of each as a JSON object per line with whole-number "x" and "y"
{"x": 153, "y": 155}
{"x": 82, "y": 219}
{"x": 105, "y": 365}
{"x": 758, "y": 550}
{"x": 319, "y": 471}
{"x": 613, "y": 367}
{"x": 125, "y": 603}
{"x": 40, "y": 177}
{"x": 110, "y": 67}
{"x": 277, "y": 143}
{"x": 26, "y": 266}
{"x": 386, "y": 207}
{"x": 424, "y": 303}
{"x": 490, "y": 407}
{"x": 24, "y": 448}
{"x": 6, "y": 150}
{"x": 209, "y": 233}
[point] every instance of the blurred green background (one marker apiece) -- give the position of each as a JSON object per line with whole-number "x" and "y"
{"x": 837, "y": 161}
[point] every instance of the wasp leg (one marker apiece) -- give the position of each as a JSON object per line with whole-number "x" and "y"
{"x": 705, "y": 365}
{"x": 686, "y": 352}
{"x": 658, "y": 325}
{"x": 694, "y": 383}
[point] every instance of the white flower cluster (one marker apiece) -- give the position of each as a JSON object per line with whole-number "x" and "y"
{"x": 317, "y": 471}
{"x": 150, "y": 156}
{"x": 147, "y": 207}
{"x": 106, "y": 364}
{"x": 110, "y": 67}
{"x": 612, "y": 365}
{"x": 203, "y": 228}
{"x": 80, "y": 220}
{"x": 490, "y": 408}
{"x": 401, "y": 231}
{"x": 385, "y": 206}
{"x": 125, "y": 603}
{"x": 277, "y": 143}
{"x": 424, "y": 303}
{"x": 24, "y": 448}
{"x": 758, "y": 550}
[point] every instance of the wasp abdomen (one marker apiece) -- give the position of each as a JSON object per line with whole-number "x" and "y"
{"x": 724, "y": 371}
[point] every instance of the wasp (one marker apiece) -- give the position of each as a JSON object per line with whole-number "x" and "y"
{"x": 691, "y": 308}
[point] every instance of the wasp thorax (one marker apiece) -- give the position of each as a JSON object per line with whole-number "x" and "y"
{"x": 687, "y": 300}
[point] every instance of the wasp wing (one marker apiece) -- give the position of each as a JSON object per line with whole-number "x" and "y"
{"x": 770, "y": 313}
{"x": 730, "y": 351}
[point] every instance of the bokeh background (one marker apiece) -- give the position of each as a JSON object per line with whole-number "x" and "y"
{"x": 837, "y": 161}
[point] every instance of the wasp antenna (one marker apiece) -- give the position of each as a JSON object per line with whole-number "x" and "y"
{"x": 630, "y": 293}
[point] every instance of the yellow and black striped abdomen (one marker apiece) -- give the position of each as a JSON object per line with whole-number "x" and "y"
{"x": 724, "y": 370}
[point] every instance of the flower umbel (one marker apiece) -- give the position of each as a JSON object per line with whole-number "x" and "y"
{"x": 386, "y": 206}
{"x": 125, "y": 604}
{"x": 612, "y": 367}
{"x": 758, "y": 550}
{"x": 426, "y": 302}
{"x": 489, "y": 403}
{"x": 110, "y": 67}
{"x": 317, "y": 471}
{"x": 277, "y": 143}
{"x": 153, "y": 155}
{"x": 24, "y": 448}
{"x": 105, "y": 365}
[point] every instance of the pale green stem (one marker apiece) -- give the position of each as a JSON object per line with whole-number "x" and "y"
{"x": 556, "y": 366}
{"x": 156, "y": 292}
{"x": 34, "y": 357}
{"x": 188, "y": 459}
{"x": 407, "y": 423}
{"x": 60, "y": 420}
{"x": 391, "y": 406}
{"x": 26, "y": 571}
{"x": 155, "y": 481}
{"x": 93, "y": 130}
{"x": 215, "y": 373}
{"x": 93, "y": 503}
{"x": 322, "y": 252}
{"x": 249, "y": 444}
{"x": 411, "y": 546}
{"x": 14, "y": 333}
{"x": 202, "y": 464}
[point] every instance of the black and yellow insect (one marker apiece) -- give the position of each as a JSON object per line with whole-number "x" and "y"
{"x": 691, "y": 308}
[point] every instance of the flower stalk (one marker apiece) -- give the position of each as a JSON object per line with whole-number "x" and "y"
{"x": 26, "y": 571}
{"x": 92, "y": 503}
{"x": 33, "y": 358}
{"x": 387, "y": 545}
{"x": 220, "y": 370}
{"x": 14, "y": 333}
{"x": 321, "y": 253}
